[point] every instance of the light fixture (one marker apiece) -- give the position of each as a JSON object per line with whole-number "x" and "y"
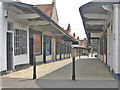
{"x": 6, "y": 14}
{"x": 107, "y": 7}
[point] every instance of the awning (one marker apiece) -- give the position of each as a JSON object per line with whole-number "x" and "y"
{"x": 31, "y": 15}
{"x": 95, "y": 16}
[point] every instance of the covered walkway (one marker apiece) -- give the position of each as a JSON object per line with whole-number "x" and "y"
{"x": 90, "y": 73}
{"x": 86, "y": 69}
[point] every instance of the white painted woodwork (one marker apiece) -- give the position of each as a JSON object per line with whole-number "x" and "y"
{"x": 38, "y": 23}
{"x": 97, "y": 22}
{"x": 96, "y": 16}
{"x": 27, "y": 16}
{"x": 96, "y": 35}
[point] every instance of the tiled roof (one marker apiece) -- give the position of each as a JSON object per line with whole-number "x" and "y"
{"x": 47, "y": 9}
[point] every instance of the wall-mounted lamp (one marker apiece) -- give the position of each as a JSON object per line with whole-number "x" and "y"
{"x": 6, "y": 14}
{"x": 107, "y": 7}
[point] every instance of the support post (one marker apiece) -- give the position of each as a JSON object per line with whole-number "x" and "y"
{"x": 73, "y": 69}
{"x": 34, "y": 68}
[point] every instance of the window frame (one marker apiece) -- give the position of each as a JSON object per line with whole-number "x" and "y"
{"x": 50, "y": 48}
{"x": 20, "y": 40}
{"x": 38, "y": 42}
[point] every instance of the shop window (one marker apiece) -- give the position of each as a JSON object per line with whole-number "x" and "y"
{"x": 20, "y": 42}
{"x": 10, "y": 26}
{"x": 48, "y": 45}
{"x": 37, "y": 44}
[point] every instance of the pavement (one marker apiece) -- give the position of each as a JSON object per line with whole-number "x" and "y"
{"x": 41, "y": 70}
{"x": 90, "y": 73}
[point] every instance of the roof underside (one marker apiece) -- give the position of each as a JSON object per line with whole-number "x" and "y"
{"x": 95, "y": 16}
{"x": 26, "y": 9}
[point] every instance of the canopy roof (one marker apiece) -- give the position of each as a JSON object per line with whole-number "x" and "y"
{"x": 95, "y": 15}
{"x": 33, "y": 16}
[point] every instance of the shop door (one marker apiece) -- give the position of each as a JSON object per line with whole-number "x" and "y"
{"x": 31, "y": 51}
{"x": 9, "y": 52}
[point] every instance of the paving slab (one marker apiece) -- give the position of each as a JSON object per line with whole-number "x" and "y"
{"x": 86, "y": 69}
{"x": 42, "y": 70}
{"x": 90, "y": 73}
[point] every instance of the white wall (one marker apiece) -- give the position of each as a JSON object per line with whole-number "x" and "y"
{"x": 3, "y": 61}
{"x": 119, "y": 39}
{"x": 109, "y": 48}
{"x": 49, "y": 58}
{"x": 23, "y": 58}
{"x": 115, "y": 38}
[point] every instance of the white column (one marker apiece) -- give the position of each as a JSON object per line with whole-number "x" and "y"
{"x": 3, "y": 63}
{"x": 115, "y": 37}
{"x": 111, "y": 46}
{"x": 118, "y": 39}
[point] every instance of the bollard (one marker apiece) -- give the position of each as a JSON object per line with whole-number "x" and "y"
{"x": 34, "y": 68}
{"x": 79, "y": 54}
{"x": 73, "y": 71}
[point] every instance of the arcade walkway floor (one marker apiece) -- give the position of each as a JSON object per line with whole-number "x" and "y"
{"x": 90, "y": 73}
{"x": 86, "y": 69}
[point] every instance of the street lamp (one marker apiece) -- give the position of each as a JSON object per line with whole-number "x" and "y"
{"x": 73, "y": 54}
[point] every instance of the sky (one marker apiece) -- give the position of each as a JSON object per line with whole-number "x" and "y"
{"x": 68, "y": 13}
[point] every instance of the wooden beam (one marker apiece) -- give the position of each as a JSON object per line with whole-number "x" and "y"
{"x": 96, "y": 16}
{"x": 27, "y": 16}
{"x": 94, "y": 30}
{"x": 94, "y": 37}
{"x": 38, "y": 23}
{"x": 97, "y": 22}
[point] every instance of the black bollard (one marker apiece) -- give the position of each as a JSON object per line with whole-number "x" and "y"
{"x": 79, "y": 54}
{"x": 73, "y": 71}
{"x": 34, "y": 68}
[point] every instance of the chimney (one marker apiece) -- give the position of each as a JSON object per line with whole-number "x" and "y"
{"x": 73, "y": 34}
{"x": 54, "y": 3}
{"x": 69, "y": 29}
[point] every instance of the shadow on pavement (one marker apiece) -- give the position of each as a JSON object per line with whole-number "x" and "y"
{"x": 47, "y": 83}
